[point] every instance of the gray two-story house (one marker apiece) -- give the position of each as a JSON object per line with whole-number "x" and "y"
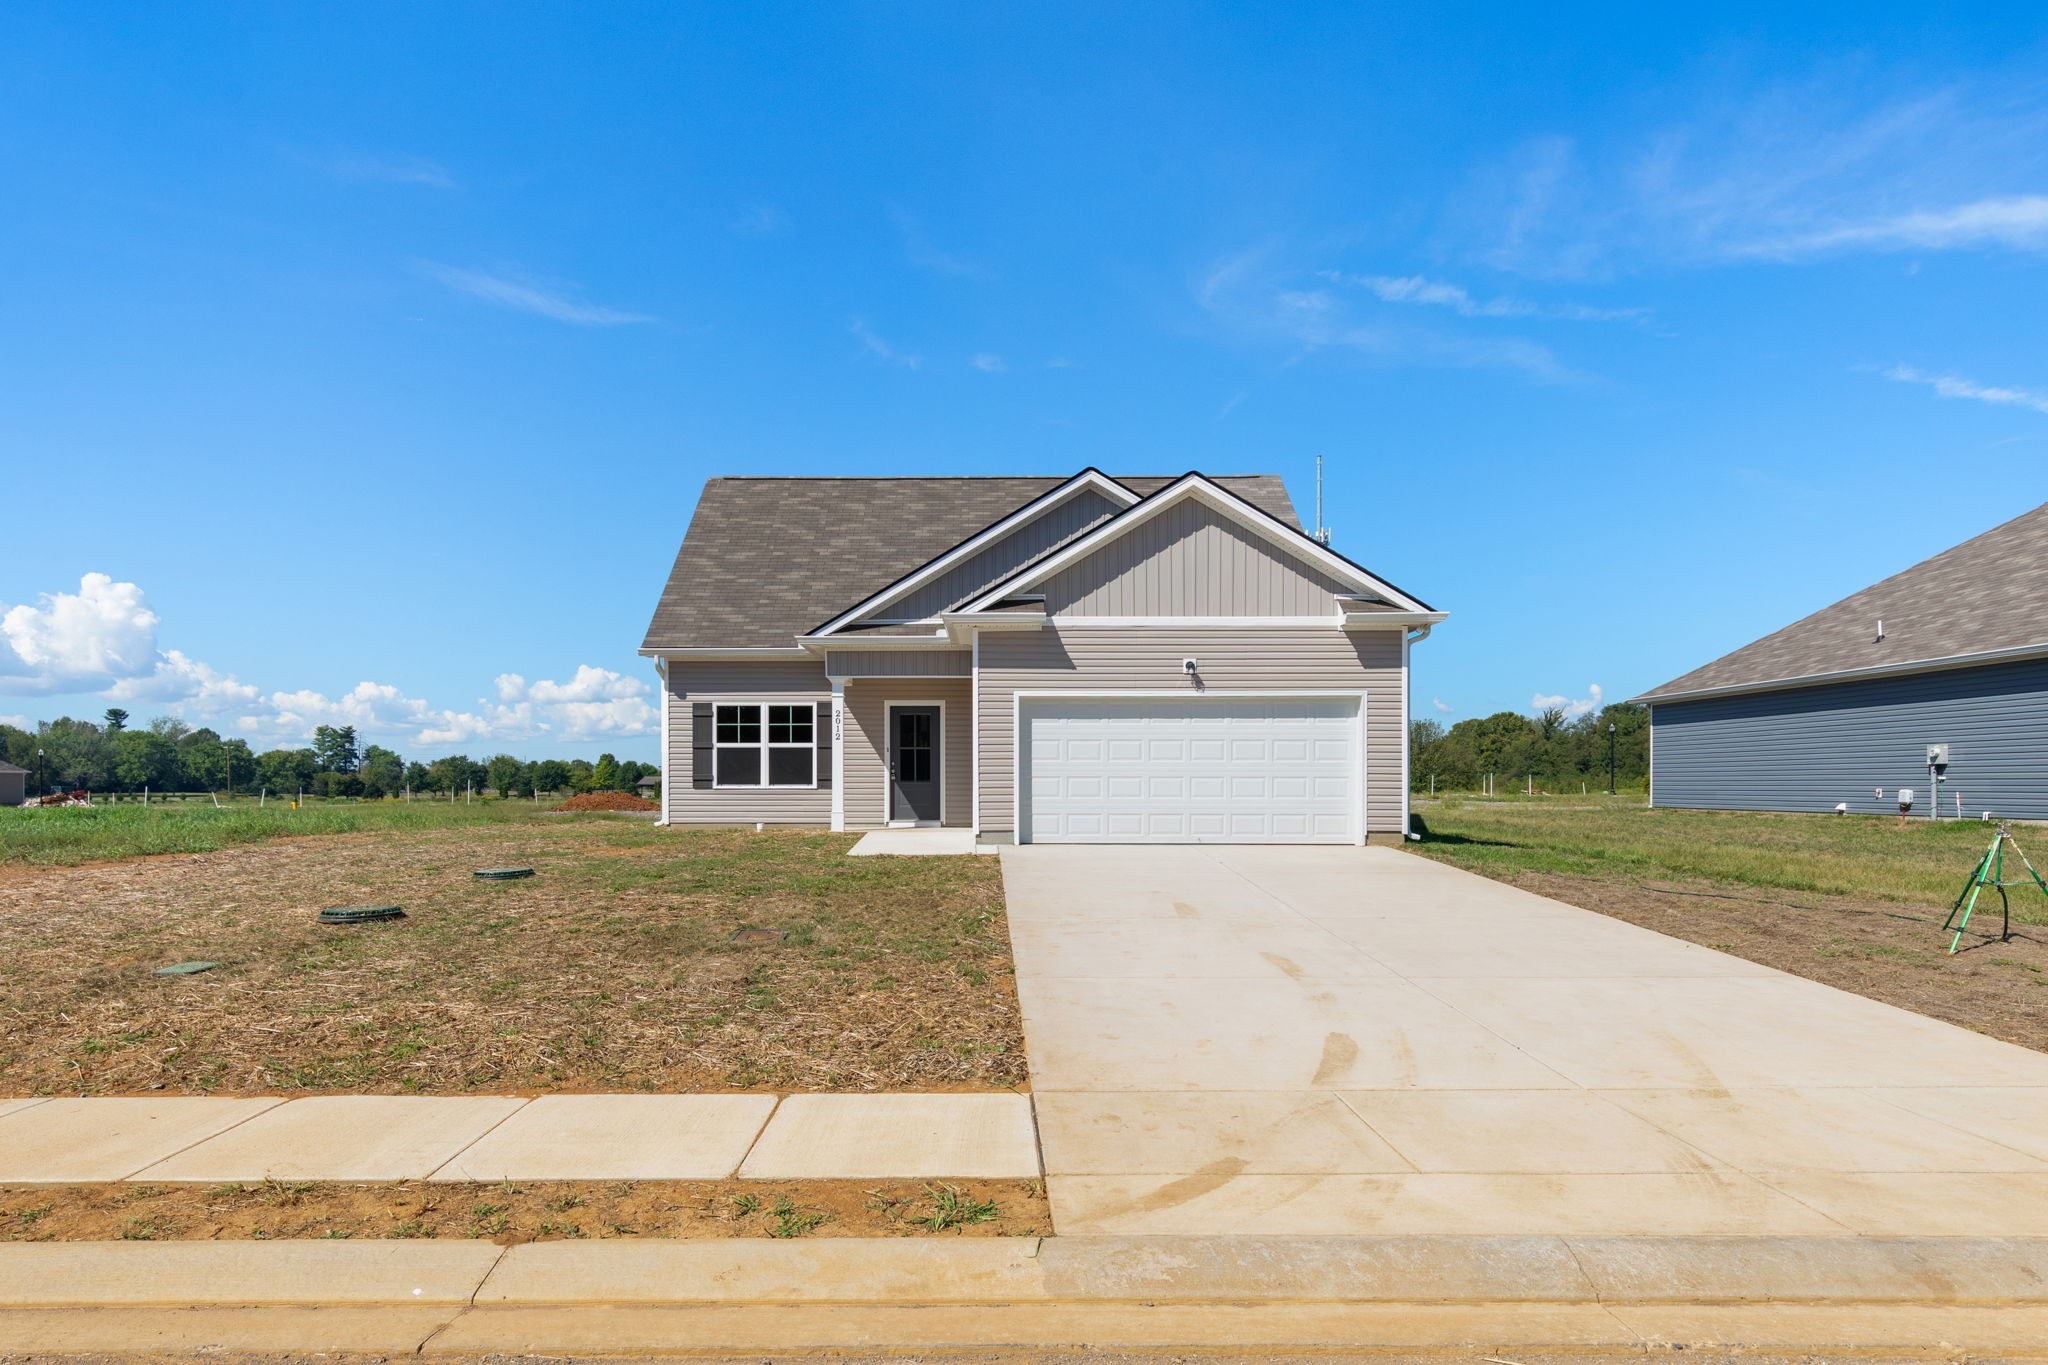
{"x": 1082, "y": 659}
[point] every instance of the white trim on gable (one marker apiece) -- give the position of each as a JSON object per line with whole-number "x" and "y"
{"x": 1222, "y": 499}
{"x": 1090, "y": 478}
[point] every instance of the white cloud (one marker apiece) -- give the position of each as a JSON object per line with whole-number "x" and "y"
{"x": 762, "y": 220}
{"x": 919, "y": 251}
{"x": 1952, "y": 386}
{"x": 880, "y": 349}
{"x": 180, "y": 679}
{"x": 2018, "y": 222}
{"x": 101, "y": 632}
{"x": 1415, "y": 289}
{"x": 596, "y": 701}
{"x": 1254, "y": 299}
{"x": 408, "y": 170}
{"x": 1572, "y": 707}
{"x": 988, "y": 364}
{"x": 1442, "y": 706}
{"x": 526, "y": 296}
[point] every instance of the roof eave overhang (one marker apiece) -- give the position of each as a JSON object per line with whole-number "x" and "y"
{"x": 813, "y": 644}
{"x": 1943, "y": 664}
{"x": 729, "y": 652}
{"x": 963, "y": 626}
{"x": 1390, "y": 620}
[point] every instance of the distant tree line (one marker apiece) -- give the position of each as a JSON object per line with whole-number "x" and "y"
{"x": 169, "y": 755}
{"x": 1557, "y": 753}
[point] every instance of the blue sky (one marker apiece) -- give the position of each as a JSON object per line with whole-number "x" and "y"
{"x": 362, "y": 363}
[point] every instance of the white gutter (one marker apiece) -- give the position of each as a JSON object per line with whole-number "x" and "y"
{"x": 754, "y": 652}
{"x": 1937, "y": 665}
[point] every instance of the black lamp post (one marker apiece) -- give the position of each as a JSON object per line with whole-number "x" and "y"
{"x": 1610, "y": 758}
{"x": 42, "y": 788}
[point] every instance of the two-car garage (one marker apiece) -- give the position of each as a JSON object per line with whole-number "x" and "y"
{"x": 1239, "y": 769}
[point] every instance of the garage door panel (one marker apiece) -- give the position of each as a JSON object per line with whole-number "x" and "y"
{"x": 1240, "y": 770}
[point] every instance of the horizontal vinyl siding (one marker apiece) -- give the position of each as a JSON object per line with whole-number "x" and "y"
{"x": 900, "y": 663}
{"x": 1003, "y": 557}
{"x": 1191, "y": 560}
{"x": 1148, "y": 659}
{"x": 1806, "y": 749}
{"x": 867, "y": 754}
{"x": 796, "y": 680}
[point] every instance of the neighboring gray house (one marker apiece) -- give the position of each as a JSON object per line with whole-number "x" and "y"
{"x": 1841, "y": 708}
{"x": 1035, "y": 659}
{"x": 13, "y": 784}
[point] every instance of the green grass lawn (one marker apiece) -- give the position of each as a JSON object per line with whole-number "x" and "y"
{"x": 64, "y": 836}
{"x": 1875, "y": 858}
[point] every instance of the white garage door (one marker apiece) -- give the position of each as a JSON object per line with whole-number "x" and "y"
{"x": 1228, "y": 770}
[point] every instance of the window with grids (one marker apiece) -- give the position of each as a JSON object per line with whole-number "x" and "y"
{"x": 756, "y": 745}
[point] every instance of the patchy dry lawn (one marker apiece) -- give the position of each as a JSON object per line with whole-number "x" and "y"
{"x": 615, "y": 968}
{"x": 523, "y": 1211}
{"x": 1850, "y": 901}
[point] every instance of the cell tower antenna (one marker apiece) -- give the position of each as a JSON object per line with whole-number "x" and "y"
{"x": 1322, "y": 531}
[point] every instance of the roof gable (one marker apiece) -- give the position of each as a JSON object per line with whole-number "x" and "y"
{"x": 767, "y": 559}
{"x": 1192, "y": 560}
{"x": 1316, "y": 564}
{"x": 1987, "y": 595}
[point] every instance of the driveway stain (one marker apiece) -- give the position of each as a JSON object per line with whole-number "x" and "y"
{"x": 1291, "y": 968}
{"x": 1174, "y": 1193}
{"x": 1340, "y": 1054}
{"x": 1184, "y": 910}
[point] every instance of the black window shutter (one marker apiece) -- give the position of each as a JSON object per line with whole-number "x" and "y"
{"x": 824, "y": 733}
{"x": 700, "y": 744}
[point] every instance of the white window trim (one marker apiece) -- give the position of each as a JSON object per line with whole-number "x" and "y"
{"x": 1358, "y": 728}
{"x": 764, "y": 746}
{"x": 889, "y": 710}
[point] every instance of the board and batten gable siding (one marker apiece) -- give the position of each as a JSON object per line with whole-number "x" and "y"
{"x": 1191, "y": 560}
{"x": 715, "y": 681}
{"x": 867, "y": 746}
{"x": 1107, "y": 659}
{"x": 1810, "y": 748}
{"x": 900, "y": 663}
{"x": 1000, "y": 558}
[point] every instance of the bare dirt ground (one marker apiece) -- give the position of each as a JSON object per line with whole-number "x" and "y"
{"x": 636, "y": 959}
{"x": 522, "y": 1211}
{"x": 1881, "y": 949}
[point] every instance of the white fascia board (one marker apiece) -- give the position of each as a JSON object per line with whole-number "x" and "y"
{"x": 962, "y": 627}
{"x": 736, "y": 655}
{"x": 1087, "y": 479}
{"x": 811, "y": 644}
{"x": 1223, "y": 500}
{"x": 1388, "y": 620}
{"x": 1939, "y": 665}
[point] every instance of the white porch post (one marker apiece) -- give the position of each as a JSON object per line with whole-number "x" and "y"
{"x": 838, "y": 754}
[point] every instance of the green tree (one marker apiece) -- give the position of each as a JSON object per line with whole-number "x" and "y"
{"x": 605, "y": 777}
{"x": 287, "y": 772}
{"x": 115, "y": 721}
{"x": 503, "y": 773}
{"x": 77, "y": 754}
{"x": 417, "y": 777}
{"x": 238, "y": 766}
{"x": 335, "y": 747}
{"x": 550, "y": 775}
{"x": 144, "y": 758}
{"x": 382, "y": 771}
{"x": 328, "y": 783}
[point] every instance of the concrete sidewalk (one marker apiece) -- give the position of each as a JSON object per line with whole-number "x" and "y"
{"x": 1357, "y": 1040}
{"x": 626, "y": 1297}
{"x": 490, "y": 1138}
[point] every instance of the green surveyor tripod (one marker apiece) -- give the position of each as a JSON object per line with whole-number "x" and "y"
{"x": 1991, "y": 872}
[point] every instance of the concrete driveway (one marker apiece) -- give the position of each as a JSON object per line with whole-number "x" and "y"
{"x": 1357, "y": 1040}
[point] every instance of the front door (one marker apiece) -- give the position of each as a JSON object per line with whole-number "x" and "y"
{"x": 914, "y": 763}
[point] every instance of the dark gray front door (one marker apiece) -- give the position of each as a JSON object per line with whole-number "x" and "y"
{"x": 914, "y": 763}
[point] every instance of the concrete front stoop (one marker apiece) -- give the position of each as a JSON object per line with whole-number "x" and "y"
{"x": 1835, "y": 1294}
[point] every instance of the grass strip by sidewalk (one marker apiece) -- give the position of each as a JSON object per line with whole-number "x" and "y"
{"x": 522, "y": 1211}
{"x": 65, "y": 836}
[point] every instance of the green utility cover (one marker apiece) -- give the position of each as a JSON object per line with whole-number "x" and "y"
{"x": 360, "y": 914}
{"x": 503, "y": 874}
{"x": 186, "y": 968}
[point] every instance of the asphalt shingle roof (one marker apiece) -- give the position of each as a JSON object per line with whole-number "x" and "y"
{"x": 767, "y": 559}
{"x": 1986, "y": 594}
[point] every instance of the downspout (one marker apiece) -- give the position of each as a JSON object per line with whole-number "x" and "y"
{"x": 1408, "y": 638}
{"x": 667, "y": 786}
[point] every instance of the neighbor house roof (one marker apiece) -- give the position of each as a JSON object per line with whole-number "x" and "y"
{"x": 1987, "y": 596}
{"x": 766, "y": 559}
{"x": 6, "y": 767}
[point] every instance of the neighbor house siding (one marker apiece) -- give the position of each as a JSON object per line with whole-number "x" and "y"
{"x": 1191, "y": 560}
{"x": 1148, "y": 659}
{"x": 900, "y": 663}
{"x": 13, "y": 788}
{"x": 1000, "y": 558}
{"x": 867, "y": 746}
{"x": 1811, "y": 748}
{"x": 713, "y": 681}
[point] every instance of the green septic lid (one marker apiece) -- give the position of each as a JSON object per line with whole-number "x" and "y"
{"x": 359, "y": 914}
{"x": 186, "y": 968}
{"x": 503, "y": 874}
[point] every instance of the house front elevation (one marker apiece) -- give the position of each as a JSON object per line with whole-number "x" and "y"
{"x": 1089, "y": 659}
